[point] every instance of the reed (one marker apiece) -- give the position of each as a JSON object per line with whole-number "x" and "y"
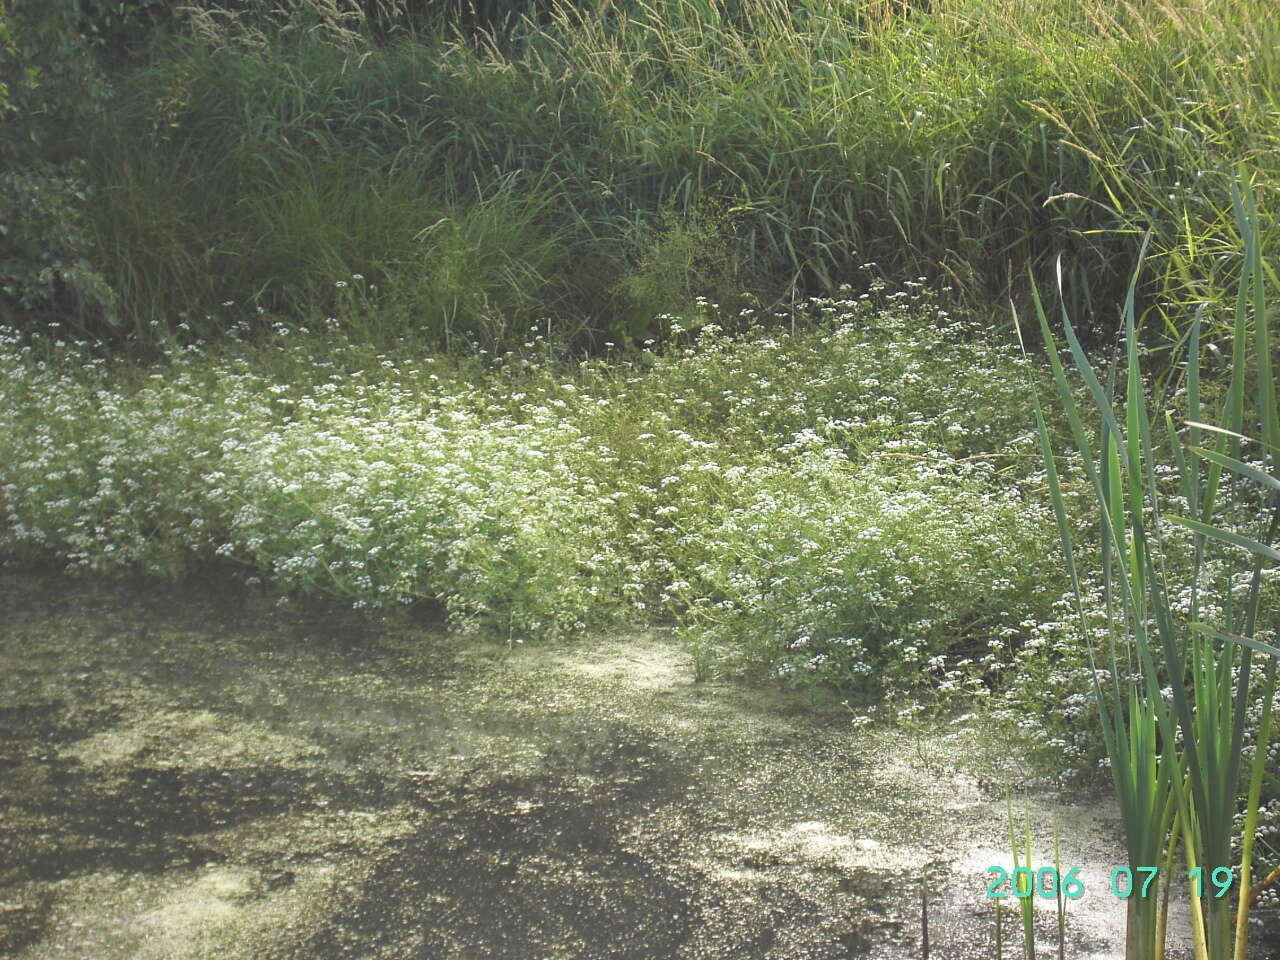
{"x": 1177, "y": 686}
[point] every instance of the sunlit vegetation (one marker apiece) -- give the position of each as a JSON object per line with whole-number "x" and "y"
{"x": 605, "y": 163}
{"x": 690, "y": 314}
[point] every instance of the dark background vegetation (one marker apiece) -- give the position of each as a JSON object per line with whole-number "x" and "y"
{"x": 490, "y": 167}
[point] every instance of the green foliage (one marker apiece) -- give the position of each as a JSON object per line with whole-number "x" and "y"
{"x": 1176, "y": 697}
{"x": 53, "y": 92}
{"x": 345, "y": 489}
{"x": 766, "y": 492}
{"x": 689, "y": 257}
{"x": 120, "y": 28}
{"x": 1026, "y": 129}
{"x": 44, "y": 247}
{"x": 487, "y": 271}
{"x": 879, "y": 577}
{"x": 50, "y": 93}
{"x": 391, "y": 17}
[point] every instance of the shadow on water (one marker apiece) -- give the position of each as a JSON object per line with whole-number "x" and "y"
{"x": 526, "y": 867}
{"x": 195, "y": 773}
{"x": 584, "y": 861}
{"x": 402, "y": 791}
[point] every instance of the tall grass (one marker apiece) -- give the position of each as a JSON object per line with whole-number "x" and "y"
{"x": 966, "y": 140}
{"x": 1177, "y": 685}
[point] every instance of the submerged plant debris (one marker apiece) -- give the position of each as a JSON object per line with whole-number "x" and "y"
{"x": 195, "y": 771}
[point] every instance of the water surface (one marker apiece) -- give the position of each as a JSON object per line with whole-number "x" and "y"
{"x": 198, "y": 772}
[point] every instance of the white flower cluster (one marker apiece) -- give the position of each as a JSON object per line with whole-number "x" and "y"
{"x": 854, "y": 500}
{"x": 823, "y": 570}
{"x": 344, "y": 486}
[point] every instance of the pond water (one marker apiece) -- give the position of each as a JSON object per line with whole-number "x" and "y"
{"x": 198, "y": 772}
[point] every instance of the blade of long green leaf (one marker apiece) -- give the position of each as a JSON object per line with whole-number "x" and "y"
{"x": 1258, "y": 645}
{"x": 1250, "y": 831}
{"x": 1240, "y": 467}
{"x": 1229, "y": 537}
{"x": 1214, "y": 428}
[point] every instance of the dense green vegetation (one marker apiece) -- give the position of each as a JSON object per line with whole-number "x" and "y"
{"x": 607, "y": 163}
{"x": 738, "y": 485}
{"x": 1178, "y": 758}
{"x": 563, "y": 317}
